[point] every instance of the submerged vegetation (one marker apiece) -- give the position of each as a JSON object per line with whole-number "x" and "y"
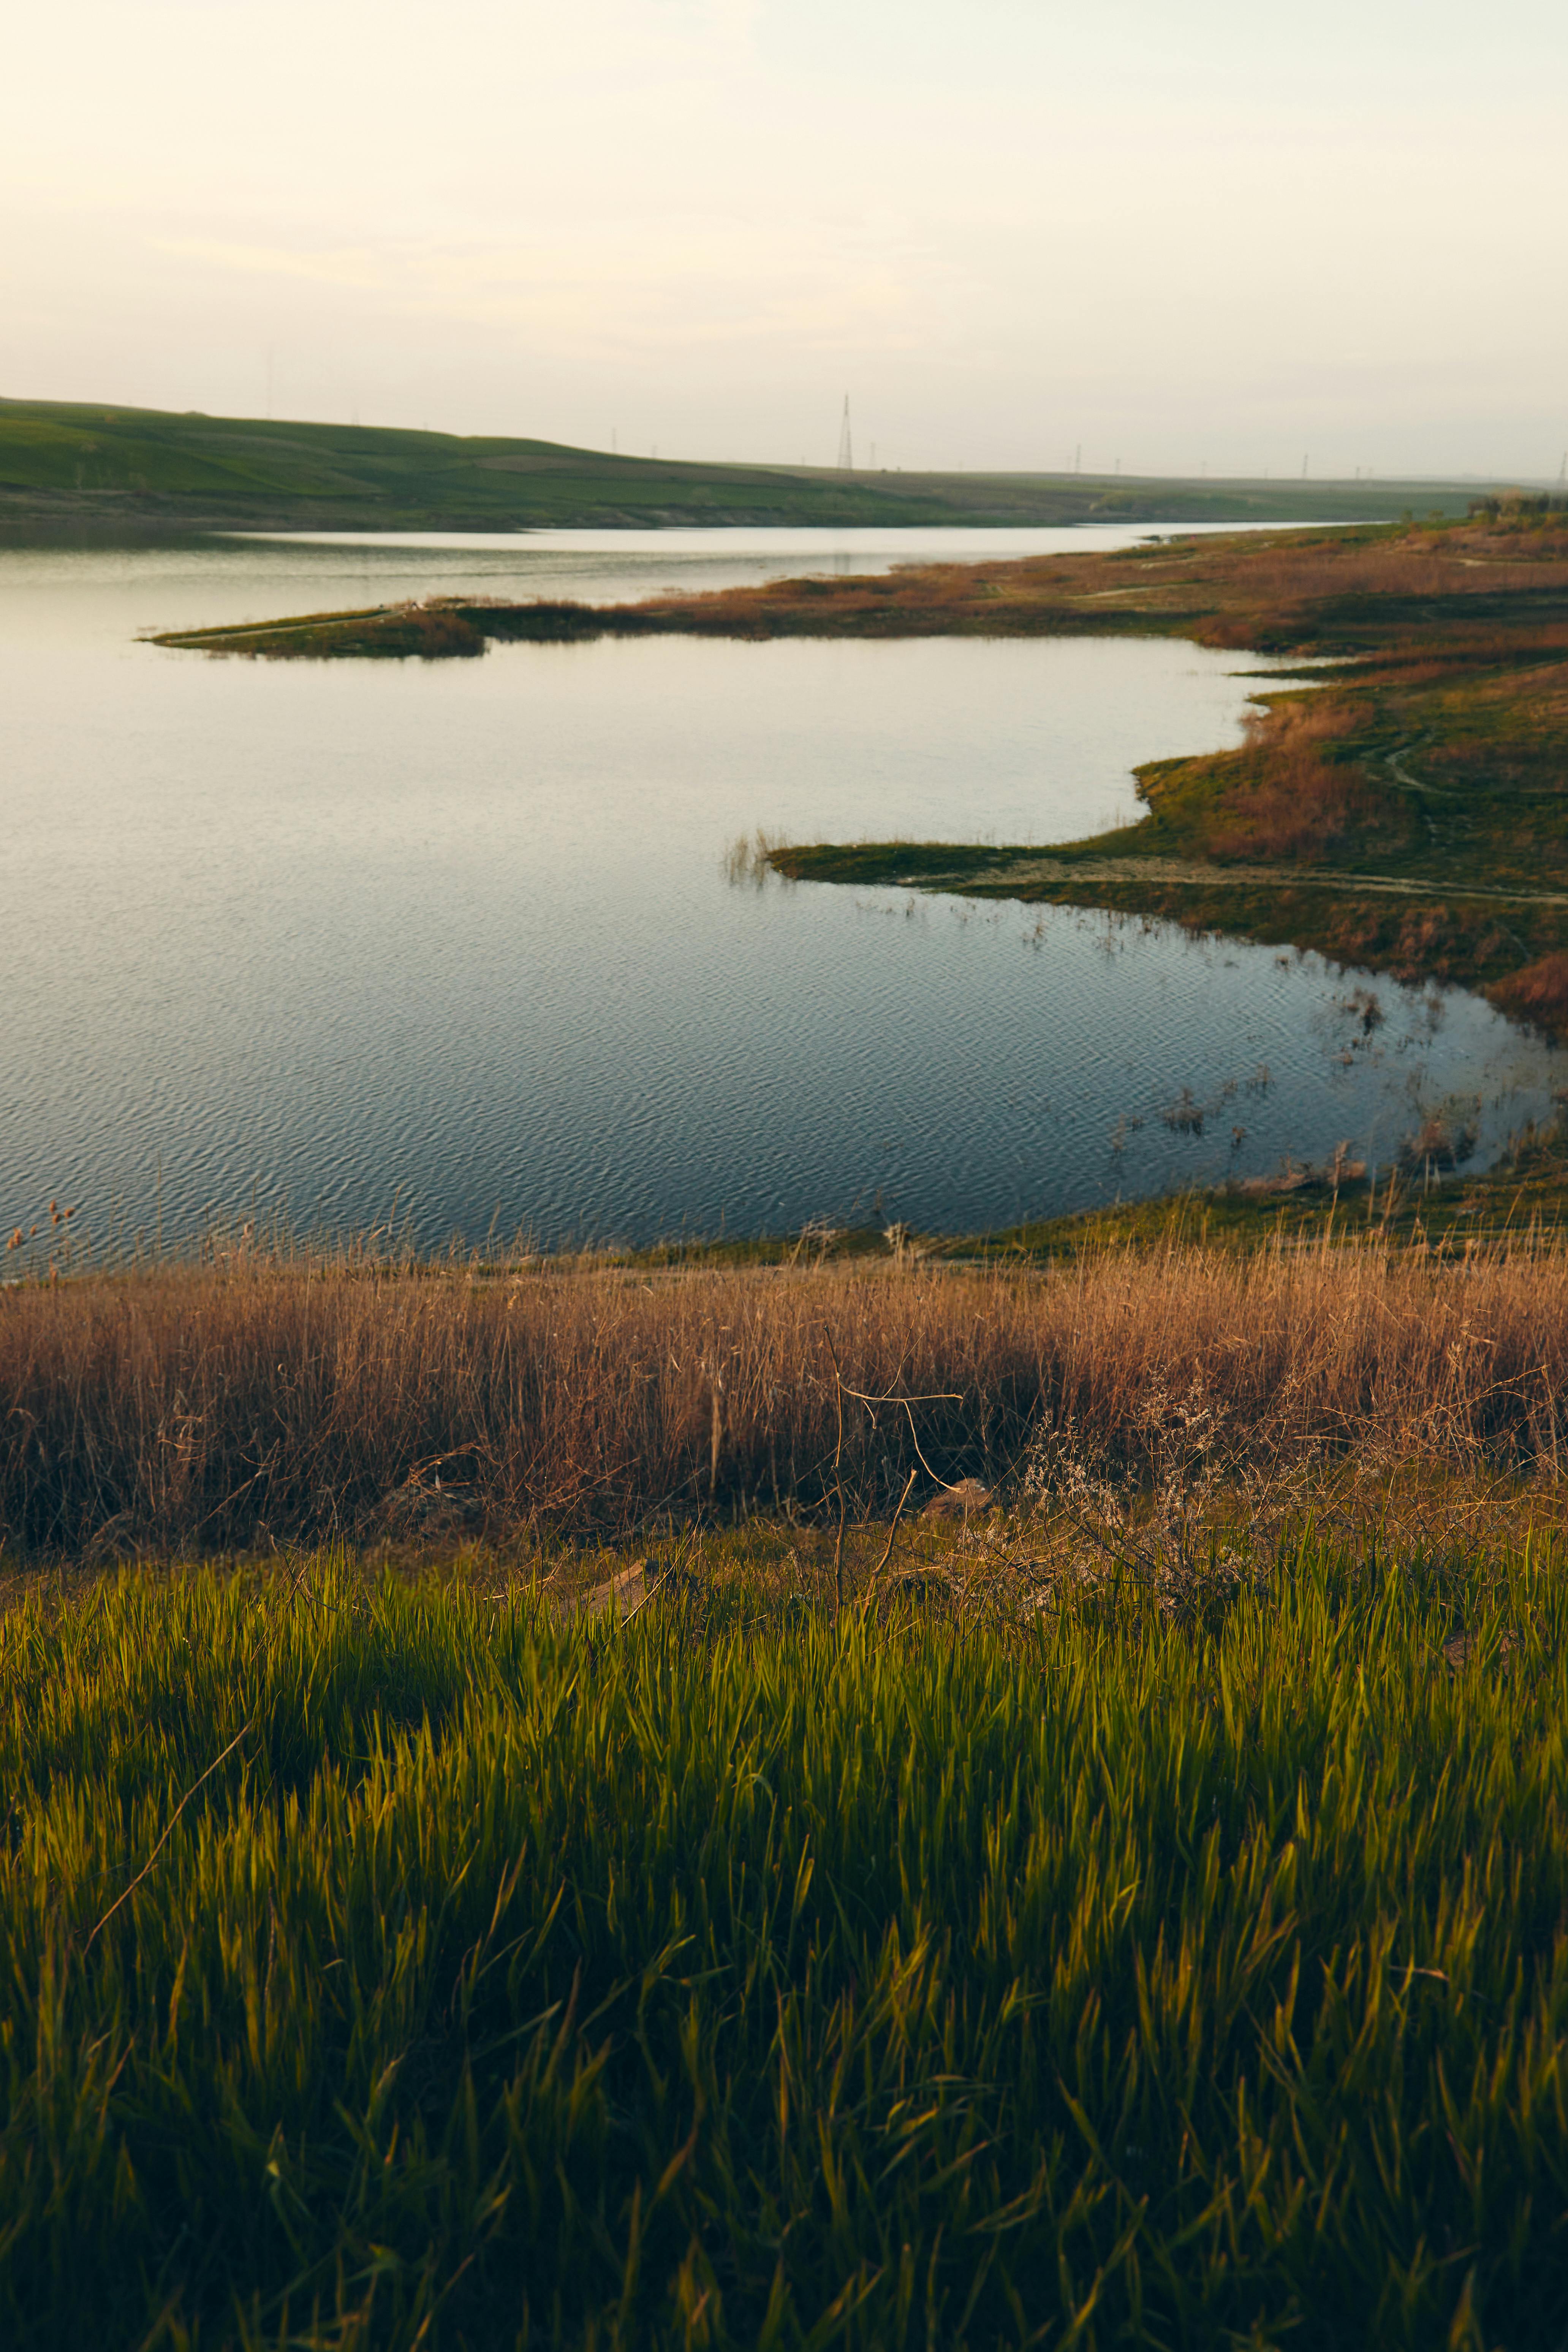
{"x": 1405, "y": 810}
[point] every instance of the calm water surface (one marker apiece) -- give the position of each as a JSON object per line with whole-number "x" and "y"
{"x": 463, "y": 937}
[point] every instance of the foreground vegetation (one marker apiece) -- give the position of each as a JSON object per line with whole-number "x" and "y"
{"x": 66, "y": 463}
{"x": 260, "y": 1398}
{"x": 407, "y": 1963}
{"x": 844, "y": 1802}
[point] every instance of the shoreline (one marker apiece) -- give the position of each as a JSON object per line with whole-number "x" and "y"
{"x": 1428, "y": 1202}
{"x": 1404, "y": 812}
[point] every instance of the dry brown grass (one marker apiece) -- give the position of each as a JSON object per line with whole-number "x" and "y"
{"x": 215, "y": 1406}
{"x": 1286, "y": 798}
{"x": 1539, "y": 992}
{"x": 1249, "y": 590}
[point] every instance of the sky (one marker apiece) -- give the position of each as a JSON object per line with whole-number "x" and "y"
{"x": 1225, "y": 235}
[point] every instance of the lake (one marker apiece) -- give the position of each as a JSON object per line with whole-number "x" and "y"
{"x": 463, "y": 945}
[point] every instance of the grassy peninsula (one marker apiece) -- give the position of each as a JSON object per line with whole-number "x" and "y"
{"x": 1407, "y": 811}
{"x": 91, "y": 464}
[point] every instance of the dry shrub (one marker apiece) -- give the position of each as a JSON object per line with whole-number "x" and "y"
{"x": 1538, "y": 991}
{"x": 1291, "y": 802}
{"x": 234, "y": 1404}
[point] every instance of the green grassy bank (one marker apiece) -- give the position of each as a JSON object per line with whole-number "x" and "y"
{"x": 66, "y": 462}
{"x": 401, "y": 1965}
{"x": 1403, "y": 812}
{"x": 1421, "y": 1198}
{"x": 1407, "y": 1204}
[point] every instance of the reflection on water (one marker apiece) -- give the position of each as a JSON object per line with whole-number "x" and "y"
{"x": 466, "y": 936}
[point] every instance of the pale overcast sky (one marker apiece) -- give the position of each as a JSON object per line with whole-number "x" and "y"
{"x": 1172, "y": 232}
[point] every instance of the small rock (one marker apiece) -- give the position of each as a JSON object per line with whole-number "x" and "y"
{"x": 622, "y": 1593}
{"x": 960, "y": 1502}
{"x": 1462, "y": 1647}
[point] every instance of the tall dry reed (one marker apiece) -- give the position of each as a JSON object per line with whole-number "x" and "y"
{"x": 277, "y": 1399}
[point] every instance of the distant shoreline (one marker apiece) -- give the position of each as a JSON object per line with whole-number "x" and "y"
{"x": 64, "y": 462}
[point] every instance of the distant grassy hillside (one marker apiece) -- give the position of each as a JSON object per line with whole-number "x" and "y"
{"x": 61, "y": 462}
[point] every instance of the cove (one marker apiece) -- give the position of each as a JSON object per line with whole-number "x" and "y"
{"x": 461, "y": 946}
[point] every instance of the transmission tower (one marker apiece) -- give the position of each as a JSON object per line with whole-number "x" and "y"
{"x": 846, "y": 447}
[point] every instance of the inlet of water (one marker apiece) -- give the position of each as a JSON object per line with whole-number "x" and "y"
{"x": 463, "y": 937}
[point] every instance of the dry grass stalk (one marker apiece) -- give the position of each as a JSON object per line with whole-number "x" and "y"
{"x": 273, "y": 1398}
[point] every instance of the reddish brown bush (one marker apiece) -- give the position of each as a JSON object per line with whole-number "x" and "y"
{"x": 1283, "y": 799}
{"x": 1538, "y": 993}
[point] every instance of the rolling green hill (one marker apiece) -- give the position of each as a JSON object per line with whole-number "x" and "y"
{"x": 61, "y": 463}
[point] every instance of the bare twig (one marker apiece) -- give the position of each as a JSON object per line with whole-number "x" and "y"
{"x": 838, "y": 1395}
{"x": 892, "y": 1532}
{"x": 162, "y": 1842}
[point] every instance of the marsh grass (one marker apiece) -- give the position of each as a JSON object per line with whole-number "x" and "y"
{"x": 263, "y": 1398}
{"x": 394, "y": 1962}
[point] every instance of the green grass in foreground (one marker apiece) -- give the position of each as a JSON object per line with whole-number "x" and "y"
{"x": 392, "y": 1965}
